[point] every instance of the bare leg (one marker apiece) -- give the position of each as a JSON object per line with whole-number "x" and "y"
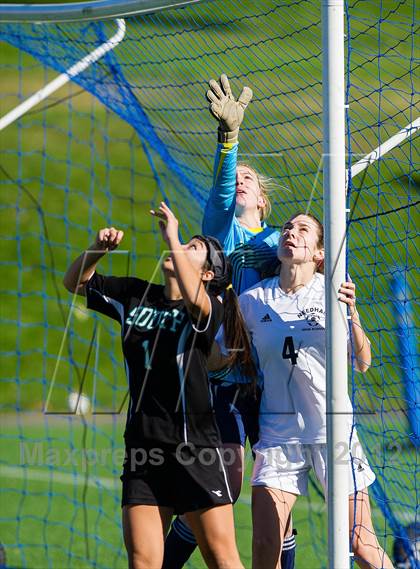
{"x": 271, "y": 510}
{"x": 367, "y": 551}
{"x": 144, "y": 530}
{"x": 288, "y": 530}
{"x": 214, "y": 531}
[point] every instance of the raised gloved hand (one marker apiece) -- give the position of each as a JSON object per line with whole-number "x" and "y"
{"x": 226, "y": 109}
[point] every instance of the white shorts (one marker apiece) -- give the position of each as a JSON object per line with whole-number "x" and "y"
{"x": 286, "y": 467}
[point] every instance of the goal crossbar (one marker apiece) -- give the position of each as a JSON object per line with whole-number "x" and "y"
{"x": 86, "y": 11}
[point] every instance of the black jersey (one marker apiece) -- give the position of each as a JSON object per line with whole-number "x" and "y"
{"x": 165, "y": 358}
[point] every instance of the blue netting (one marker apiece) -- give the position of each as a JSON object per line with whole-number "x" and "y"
{"x": 132, "y": 128}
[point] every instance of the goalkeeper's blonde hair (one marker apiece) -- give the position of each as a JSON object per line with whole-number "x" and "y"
{"x": 267, "y": 185}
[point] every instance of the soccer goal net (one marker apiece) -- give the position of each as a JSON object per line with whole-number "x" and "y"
{"x": 132, "y": 127}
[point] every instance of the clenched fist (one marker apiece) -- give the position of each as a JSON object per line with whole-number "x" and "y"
{"x": 108, "y": 239}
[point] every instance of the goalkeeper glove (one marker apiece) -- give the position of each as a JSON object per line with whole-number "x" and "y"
{"x": 226, "y": 109}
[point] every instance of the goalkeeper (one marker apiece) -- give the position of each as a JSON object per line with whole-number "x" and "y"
{"x": 235, "y": 213}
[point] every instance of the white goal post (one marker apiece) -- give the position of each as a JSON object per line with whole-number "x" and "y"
{"x": 334, "y": 160}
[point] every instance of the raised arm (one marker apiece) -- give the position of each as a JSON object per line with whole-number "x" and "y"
{"x": 189, "y": 279}
{"x": 81, "y": 270}
{"x": 220, "y": 208}
{"x": 361, "y": 343}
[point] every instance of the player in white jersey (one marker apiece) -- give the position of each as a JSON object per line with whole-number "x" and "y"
{"x": 286, "y": 318}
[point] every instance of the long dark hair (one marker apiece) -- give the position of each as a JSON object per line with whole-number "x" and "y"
{"x": 237, "y": 339}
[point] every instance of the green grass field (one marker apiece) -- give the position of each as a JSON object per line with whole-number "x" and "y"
{"x": 61, "y": 506}
{"x": 75, "y": 166}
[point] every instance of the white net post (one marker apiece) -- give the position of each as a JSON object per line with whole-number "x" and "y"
{"x": 335, "y": 230}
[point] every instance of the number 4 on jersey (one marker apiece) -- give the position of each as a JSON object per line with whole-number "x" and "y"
{"x": 289, "y": 352}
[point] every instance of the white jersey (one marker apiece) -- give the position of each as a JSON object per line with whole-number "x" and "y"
{"x": 288, "y": 332}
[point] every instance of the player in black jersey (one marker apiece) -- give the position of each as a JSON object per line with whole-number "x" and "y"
{"x": 173, "y": 462}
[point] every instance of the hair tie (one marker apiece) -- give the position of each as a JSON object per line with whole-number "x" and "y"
{"x": 229, "y": 286}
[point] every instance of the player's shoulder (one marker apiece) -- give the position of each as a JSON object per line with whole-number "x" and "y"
{"x": 267, "y": 234}
{"x": 135, "y": 286}
{"x": 315, "y": 290}
{"x": 126, "y": 286}
{"x": 270, "y": 233}
{"x": 319, "y": 282}
{"x": 216, "y": 303}
{"x": 258, "y": 290}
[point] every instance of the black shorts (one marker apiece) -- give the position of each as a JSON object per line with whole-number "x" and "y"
{"x": 185, "y": 478}
{"x": 236, "y": 408}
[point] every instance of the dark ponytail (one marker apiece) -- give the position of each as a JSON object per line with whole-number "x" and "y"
{"x": 237, "y": 339}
